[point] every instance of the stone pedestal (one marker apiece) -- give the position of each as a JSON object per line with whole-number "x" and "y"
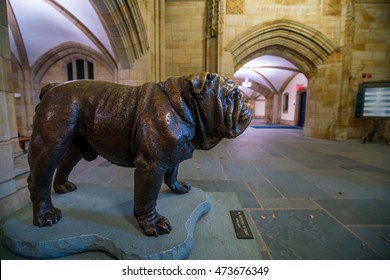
{"x": 101, "y": 219}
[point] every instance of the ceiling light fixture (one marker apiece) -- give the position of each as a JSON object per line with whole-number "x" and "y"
{"x": 246, "y": 83}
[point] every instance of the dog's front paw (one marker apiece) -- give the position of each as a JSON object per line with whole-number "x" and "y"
{"x": 180, "y": 187}
{"x": 154, "y": 226}
{"x": 48, "y": 218}
{"x": 65, "y": 188}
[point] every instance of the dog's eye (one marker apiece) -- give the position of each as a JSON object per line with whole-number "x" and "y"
{"x": 231, "y": 94}
{"x": 213, "y": 82}
{"x": 231, "y": 97}
{"x": 235, "y": 93}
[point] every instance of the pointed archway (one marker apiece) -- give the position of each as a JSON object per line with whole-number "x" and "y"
{"x": 314, "y": 54}
{"x": 301, "y": 44}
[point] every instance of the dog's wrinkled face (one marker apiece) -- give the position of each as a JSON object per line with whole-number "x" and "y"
{"x": 221, "y": 106}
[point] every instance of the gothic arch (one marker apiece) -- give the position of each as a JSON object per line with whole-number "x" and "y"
{"x": 62, "y": 51}
{"x": 301, "y": 44}
{"x": 124, "y": 22}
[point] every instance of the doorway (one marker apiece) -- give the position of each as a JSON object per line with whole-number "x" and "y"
{"x": 302, "y": 109}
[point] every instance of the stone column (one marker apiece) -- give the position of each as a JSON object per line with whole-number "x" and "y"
{"x": 212, "y": 35}
{"x": 161, "y": 57}
{"x": 252, "y": 104}
{"x": 339, "y": 130}
{"x": 269, "y": 106}
{"x": 8, "y": 139}
{"x": 276, "y": 114}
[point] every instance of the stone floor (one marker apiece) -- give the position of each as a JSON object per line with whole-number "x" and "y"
{"x": 309, "y": 198}
{"x": 305, "y": 198}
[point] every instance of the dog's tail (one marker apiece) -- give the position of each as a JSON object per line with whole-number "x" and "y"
{"x": 46, "y": 88}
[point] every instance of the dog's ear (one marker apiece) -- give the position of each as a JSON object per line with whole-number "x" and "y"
{"x": 198, "y": 81}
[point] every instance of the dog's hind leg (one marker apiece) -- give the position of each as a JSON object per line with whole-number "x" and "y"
{"x": 170, "y": 179}
{"x": 61, "y": 179}
{"x": 43, "y": 159}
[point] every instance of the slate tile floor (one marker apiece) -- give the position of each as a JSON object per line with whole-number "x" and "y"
{"x": 308, "y": 198}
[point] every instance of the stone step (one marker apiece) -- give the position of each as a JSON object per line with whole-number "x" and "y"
{"x": 21, "y": 165}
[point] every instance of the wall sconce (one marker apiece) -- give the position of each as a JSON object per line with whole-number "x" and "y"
{"x": 246, "y": 83}
{"x": 17, "y": 95}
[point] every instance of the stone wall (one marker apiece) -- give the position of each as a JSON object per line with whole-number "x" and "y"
{"x": 8, "y": 130}
{"x": 324, "y": 97}
{"x": 185, "y": 48}
{"x": 370, "y": 55}
{"x": 290, "y": 116}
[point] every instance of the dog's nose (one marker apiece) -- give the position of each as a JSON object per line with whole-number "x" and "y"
{"x": 236, "y": 92}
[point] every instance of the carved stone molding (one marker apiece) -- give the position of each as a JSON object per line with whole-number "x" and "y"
{"x": 124, "y": 21}
{"x": 301, "y": 44}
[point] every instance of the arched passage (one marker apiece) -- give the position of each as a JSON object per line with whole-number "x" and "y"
{"x": 302, "y": 45}
{"x": 305, "y": 47}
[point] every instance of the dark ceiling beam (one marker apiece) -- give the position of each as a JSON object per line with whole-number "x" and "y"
{"x": 287, "y": 82}
{"x": 268, "y": 82}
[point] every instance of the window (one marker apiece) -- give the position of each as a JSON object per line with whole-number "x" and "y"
{"x": 80, "y": 69}
{"x": 70, "y": 71}
{"x": 90, "y": 70}
{"x": 285, "y": 102}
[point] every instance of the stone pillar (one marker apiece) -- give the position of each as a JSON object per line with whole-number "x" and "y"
{"x": 8, "y": 131}
{"x": 212, "y": 35}
{"x": 269, "y": 105}
{"x": 161, "y": 37}
{"x": 252, "y": 104}
{"x": 339, "y": 129}
{"x": 276, "y": 115}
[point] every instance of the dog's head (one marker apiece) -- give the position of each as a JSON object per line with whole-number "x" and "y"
{"x": 221, "y": 109}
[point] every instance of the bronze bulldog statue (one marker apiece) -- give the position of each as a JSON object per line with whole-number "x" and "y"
{"x": 152, "y": 127}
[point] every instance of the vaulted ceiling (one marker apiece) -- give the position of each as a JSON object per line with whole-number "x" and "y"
{"x": 267, "y": 74}
{"x": 37, "y": 26}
